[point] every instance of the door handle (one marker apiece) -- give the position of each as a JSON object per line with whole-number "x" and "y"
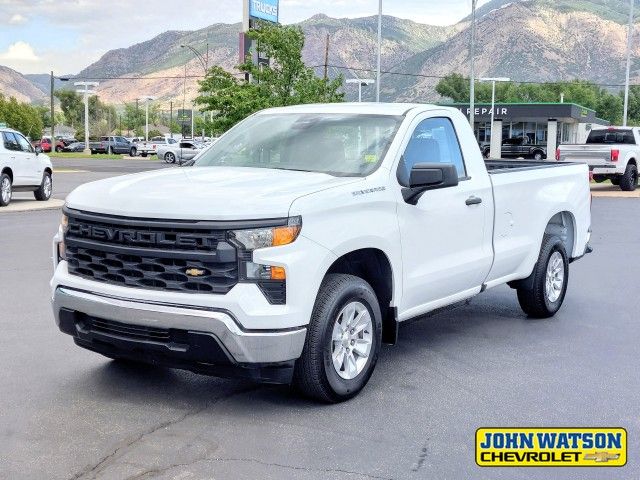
{"x": 473, "y": 200}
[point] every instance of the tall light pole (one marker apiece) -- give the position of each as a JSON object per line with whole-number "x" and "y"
{"x": 204, "y": 60}
{"x": 86, "y": 92}
{"x": 146, "y": 99}
{"x": 379, "y": 59}
{"x": 493, "y": 81}
{"x": 626, "y": 84}
{"x": 472, "y": 86}
{"x": 362, "y": 82}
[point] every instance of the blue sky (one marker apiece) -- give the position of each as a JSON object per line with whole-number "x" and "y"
{"x": 37, "y": 36}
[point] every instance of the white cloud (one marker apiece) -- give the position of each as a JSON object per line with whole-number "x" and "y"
{"x": 19, "y": 52}
{"x": 17, "y": 19}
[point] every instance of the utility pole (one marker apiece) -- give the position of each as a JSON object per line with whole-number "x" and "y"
{"x": 326, "y": 60}
{"x": 135, "y": 125}
{"x": 171, "y": 118}
{"x": 472, "y": 86}
{"x": 379, "y": 50}
{"x": 626, "y": 84}
{"x": 53, "y": 118}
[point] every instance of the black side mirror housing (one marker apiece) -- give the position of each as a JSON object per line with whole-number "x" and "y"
{"x": 429, "y": 176}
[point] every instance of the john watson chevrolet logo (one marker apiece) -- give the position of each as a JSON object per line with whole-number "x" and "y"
{"x": 551, "y": 447}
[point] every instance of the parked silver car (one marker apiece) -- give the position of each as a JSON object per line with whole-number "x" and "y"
{"x": 182, "y": 151}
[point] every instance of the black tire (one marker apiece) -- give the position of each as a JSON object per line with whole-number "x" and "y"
{"x": 629, "y": 181}
{"x": 536, "y": 302}
{"x": 59, "y": 149}
{"x": 109, "y": 151}
{"x": 169, "y": 157}
{"x": 615, "y": 181}
{"x": 314, "y": 374}
{"x": 133, "y": 152}
{"x": 538, "y": 156}
{"x": 143, "y": 154}
{"x": 5, "y": 199}
{"x": 43, "y": 193}
{"x": 599, "y": 178}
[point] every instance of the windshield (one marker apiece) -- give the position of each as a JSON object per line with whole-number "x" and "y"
{"x": 336, "y": 144}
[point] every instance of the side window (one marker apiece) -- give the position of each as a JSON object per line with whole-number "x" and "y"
{"x": 25, "y": 146}
{"x": 434, "y": 141}
{"x": 10, "y": 142}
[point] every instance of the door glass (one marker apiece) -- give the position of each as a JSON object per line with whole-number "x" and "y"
{"x": 25, "y": 146}
{"x": 434, "y": 141}
{"x": 11, "y": 142}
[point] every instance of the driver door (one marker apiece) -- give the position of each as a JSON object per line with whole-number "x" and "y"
{"x": 446, "y": 236}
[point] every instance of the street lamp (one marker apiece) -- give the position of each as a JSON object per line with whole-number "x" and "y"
{"x": 472, "y": 86}
{"x": 493, "y": 81}
{"x": 86, "y": 92}
{"x": 362, "y": 82}
{"x": 146, "y": 99}
{"x": 379, "y": 51}
{"x": 204, "y": 61}
{"x": 626, "y": 84}
{"x": 53, "y": 113}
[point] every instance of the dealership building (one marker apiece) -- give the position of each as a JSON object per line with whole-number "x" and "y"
{"x": 546, "y": 124}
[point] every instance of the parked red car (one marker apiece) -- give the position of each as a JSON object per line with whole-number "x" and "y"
{"x": 45, "y": 144}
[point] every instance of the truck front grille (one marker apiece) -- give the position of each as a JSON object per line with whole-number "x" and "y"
{"x": 191, "y": 257}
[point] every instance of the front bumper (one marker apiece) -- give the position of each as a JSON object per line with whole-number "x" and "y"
{"x": 202, "y": 340}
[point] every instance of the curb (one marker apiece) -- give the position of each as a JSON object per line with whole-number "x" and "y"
{"x": 17, "y": 206}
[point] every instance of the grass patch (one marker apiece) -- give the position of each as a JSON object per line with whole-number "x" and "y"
{"x": 97, "y": 156}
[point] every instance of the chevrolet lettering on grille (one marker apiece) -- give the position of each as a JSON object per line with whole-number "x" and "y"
{"x": 160, "y": 239}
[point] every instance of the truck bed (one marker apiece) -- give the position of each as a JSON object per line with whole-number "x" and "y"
{"x": 504, "y": 166}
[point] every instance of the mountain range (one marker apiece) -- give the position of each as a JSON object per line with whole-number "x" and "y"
{"x": 526, "y": 40}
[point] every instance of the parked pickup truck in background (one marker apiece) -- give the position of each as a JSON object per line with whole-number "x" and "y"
{"x": 113, "y": 144}
{"x": 299, "y": 241}
{"x": 612, "y": 154}
{"x": 151, "y": 147}
{"x": 520, "y": 147}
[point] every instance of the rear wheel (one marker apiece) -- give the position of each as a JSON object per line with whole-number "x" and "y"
{"x": 58, "y": 149}
{"x": 343, "y": 340}
{"x": 629, "y": 181}
{"x": 143, "y": 154}
{"x": 46, "y": 187}
{"x": 550, "y": 277}
{"x": 169, "y": 157}
{"x": 5, "y": 190}
{"x": 538, "y": 156}
{"x": 133, "y": 152}
{"x": 109, "y": 151}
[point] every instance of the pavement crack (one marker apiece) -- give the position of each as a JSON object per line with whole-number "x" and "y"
{"x": 422, "y": 457}
{"x": 91, "y": 471}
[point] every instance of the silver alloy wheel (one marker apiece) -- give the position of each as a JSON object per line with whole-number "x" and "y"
{"x": 5, "y": 190}
{"x": 47, "y": 186}
{"x": 555, "y": 277}
{"x": 351, "y": 340}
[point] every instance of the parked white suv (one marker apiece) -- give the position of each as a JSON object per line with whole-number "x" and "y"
{"x": 23, "y": 168}
{"x": 304, "y": 236}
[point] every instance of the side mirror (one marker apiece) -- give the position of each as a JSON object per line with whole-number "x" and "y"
{"x": 429, "y": 176}
{"x": 38, "y": 150}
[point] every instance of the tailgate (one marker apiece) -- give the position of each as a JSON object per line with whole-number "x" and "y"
{"x": 589, "y": 154}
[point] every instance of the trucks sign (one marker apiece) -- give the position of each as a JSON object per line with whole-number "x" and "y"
{"x": 264, "y": 10}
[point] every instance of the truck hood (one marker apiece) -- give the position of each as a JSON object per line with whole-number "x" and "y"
{"x": 202, "y": 193}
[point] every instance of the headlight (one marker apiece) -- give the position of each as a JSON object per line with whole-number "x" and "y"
{"x": 270, "y": 236}
{"x": 64, "y": 223}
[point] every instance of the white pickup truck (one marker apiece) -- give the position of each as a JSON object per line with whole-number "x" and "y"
{"x": 296, "y": 244}
{"x": 612, "y": 154}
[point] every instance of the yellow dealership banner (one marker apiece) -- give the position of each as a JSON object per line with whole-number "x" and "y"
{"x": 551, "y": 447}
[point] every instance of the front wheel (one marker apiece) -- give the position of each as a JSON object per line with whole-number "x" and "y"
{"x": 46, "y": 187}
{"x": 59, "y": 149}
{"x": 169, "y": 157}
{"x": 5, "y": 190}
{"x": 343, "y": 340}
{"x": 538, "y": 156}
{"x": 133, "y": 152}
{"x": 550, "y": 278}
{"x": 629, "y": 181}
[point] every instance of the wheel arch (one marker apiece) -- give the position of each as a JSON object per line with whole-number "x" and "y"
{"x": 9, "y": 172}
{"x": 563, "y": 225}
{"x": 373, "y": 265}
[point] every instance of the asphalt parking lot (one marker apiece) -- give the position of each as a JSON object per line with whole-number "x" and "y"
{"x": 66, "y": 413}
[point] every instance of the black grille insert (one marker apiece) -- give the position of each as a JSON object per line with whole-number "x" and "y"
{"x": 188, "y": 257}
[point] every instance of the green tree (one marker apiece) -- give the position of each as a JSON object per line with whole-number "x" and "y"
{"x": 21, "y": 116}
{"x": 607, "y": 105}
{"x": 72, "y": 106}
{"x": 285, "y": 81}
